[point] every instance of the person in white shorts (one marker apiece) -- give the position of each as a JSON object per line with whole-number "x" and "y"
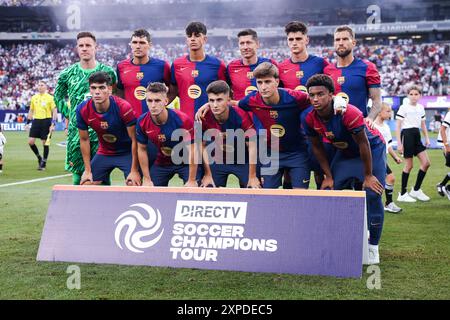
{"x": 383, "y": 127}
{"x": 444, "y": 139}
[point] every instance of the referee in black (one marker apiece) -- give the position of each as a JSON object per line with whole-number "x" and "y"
{"x": 42, "y": 115}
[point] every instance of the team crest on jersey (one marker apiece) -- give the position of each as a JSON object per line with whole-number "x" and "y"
{"x": 299, "y": 74}
{"x": 104, "y": 125}
{"x": 250, "y": 75}
{"x": 194, "y": 73}
{"x": 273, "y": 114}
{"x": 340, "y": 80}
{"x": 162, "y": 137}
{"x": 139, "y": 75}
{"x": 329, "y": 135}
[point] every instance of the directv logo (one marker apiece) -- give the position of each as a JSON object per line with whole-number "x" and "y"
{"x": 211, "y": 211}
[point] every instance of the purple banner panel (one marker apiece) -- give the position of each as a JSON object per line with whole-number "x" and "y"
{"x": 279, "y": 231}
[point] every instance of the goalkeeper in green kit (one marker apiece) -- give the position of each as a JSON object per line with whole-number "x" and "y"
{"x": 73, "y": 83}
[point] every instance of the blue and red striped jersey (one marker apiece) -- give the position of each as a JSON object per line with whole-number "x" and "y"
{"x": 340, "y": 128}
{"x": 161, "y": 135}
{"x": 134, "y": 78}
{"x": 241, "y": 78}
{"x": 294, "y": 75}
{"x": 110, "y": 126}
{"x": 354, "y": 81}
{"x": 192, "y": 78}
{"x": 281, "y": 120}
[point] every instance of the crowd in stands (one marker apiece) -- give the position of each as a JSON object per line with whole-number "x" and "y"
{"x": 22, "y": 65}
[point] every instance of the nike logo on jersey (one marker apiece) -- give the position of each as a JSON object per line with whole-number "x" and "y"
{"x": 305, "y": 180}
{"x": 286, "y": 71}
{"x": 237, "y": 70}
{"x": 89, "y": 120}
{"x": 126, "y": 71}
{"x": 182, "y": 68}
{"x": 149, "y": 132}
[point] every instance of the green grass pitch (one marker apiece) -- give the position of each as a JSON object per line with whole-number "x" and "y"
{"x": 414, "y": 249}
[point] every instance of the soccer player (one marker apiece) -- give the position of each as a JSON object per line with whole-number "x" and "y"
{"x": 73, "y": 82}
{"x": 163, "y": 126}
{"x": 361, "y": 152}
{"x": 278, "y": 110}
{"x": 134, "y": 74}
{"x": 385, "y": 130}
{"x": 444, "y": 138}
{"x": 240, "y": 71}
{"x": 295, "y": 72}
{"x": 355, "y": 79}
{"x": 113, "y": 119}
{"x": 2, "y": 144}
{"x": 43, "y": 113}
{"x": 191, "y": 74}
{"x": 410, "y": 117}
{"x": 300, "y": 66}
{"x": 221, "y": 121}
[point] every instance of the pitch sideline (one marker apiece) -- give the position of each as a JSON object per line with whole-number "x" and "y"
{"x": 34, "y": 180}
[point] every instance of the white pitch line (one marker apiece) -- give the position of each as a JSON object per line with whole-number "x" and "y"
{"x": 34, "y": 180}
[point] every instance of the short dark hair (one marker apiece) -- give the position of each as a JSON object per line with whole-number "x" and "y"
{"x": 157, "y": 87}
{"x": 266, "y": 69}
{"x": 141, "y": 33}
{"x": 86, "y": 34}
{"x": 195, "y": 27}
{"x": 218, "y": 87}
{"x": 248, "y": 32}
{"x": 321, "y": 80}
{"x": 414, "y": 87}
{"x": 296, "y": 26}
{"x": 345, "y": 28}
{"x": 100, "y": 77}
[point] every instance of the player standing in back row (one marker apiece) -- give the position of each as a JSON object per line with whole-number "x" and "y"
{"x": 191, "y": 74}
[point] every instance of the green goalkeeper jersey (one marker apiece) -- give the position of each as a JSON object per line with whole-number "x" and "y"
{"x": 73, "y": 83}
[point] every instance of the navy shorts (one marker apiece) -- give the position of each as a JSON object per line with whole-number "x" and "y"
{"x": 102, "y": 166}
{"x": 295, "y": 163}
{"x": 220, "y": 173}
{"x": 161, "y": 175}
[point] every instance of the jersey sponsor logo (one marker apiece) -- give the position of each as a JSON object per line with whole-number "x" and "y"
{"x": 250, "y": 75}
{"x": 250, "y": 89}
{"x": 301, "y": 88}
{"x": 162, "y": 137}
{"x": 166, "y": 151}
{"x": 330, "y": 135}
{"x": 139, "y": 75}
{"x": 104, "y": 125}
{"x": 340, "y": 80}
{"x": 277, "y": 130}
{"x": 299, "y": 74}
{"x": 344, "y": 95}
{"x": 194, "y": 91}
{"x": 194, "y": 73}
{"x": 110, "y": 138}
{"x": 273, "y": 114}
{"x": 139, "y": 93}
{"x": 132, "y": 226}
{"x": 340, "y": 144}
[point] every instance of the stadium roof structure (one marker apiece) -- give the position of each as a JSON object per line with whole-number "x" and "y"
{"x": 360, "y": 30}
